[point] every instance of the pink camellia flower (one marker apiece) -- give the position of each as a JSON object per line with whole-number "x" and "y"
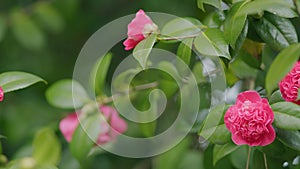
{"x": 138, "y": 29}
{"x": 290, "y": 84}
{"x": 250, "y": 120}
{"x": 109, "y": 131}
{"x": 1, "y": 94}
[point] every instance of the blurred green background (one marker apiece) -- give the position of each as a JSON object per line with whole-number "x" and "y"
{"x": 44, "y": 38}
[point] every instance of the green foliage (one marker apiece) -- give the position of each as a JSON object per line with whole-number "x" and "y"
{"x": 215, "y": 3}
{"x": 143, "y": 49}
{"x": 98, "y": 76}
{"x": 287, "y": 115}
{"x": 26, "y": 31}
{"x": 278, "y": 7}
{"x": 221, "y": 151}
{"x": 283, "y": 63}
{"x": 85, "y": 137}
{"x": 181, "y": 27}
{"x": 211, "y": 42}
{"x": 61, "y": 94}
{"x": 234, "y": 23}
{"x": 46, "y": 147}
{"x": 11, "y": 81}
{"x": 278, "y": 32}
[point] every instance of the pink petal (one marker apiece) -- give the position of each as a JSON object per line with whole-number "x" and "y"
{"x": 136, "y": 26}
{"x": 1, "y": 94}
{"x": 250, "y": 95}
{"x": 68, "y": 125}
{"x": 268, "y": 137}
{"x": 104, "y": 138}
{"x": 238, "y": 140}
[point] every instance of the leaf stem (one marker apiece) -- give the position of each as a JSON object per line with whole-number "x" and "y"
{"x": 248, "y": 159}
{"x": 265, "y": 161}
{"x": 135, "y": 88}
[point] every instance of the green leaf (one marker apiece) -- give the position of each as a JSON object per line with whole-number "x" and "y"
{"x": 143, "y": 49}
{"x": 46, "y": 147}
{"x": 211, "y": 42}
{"x": 11, "y": 81}
{"x": 212, "y": 128}
{"x": 221, "y": 151}
{"x": 276, "y": 31}
{"x": 282, "y": 64}
{"x": 234, "y": 23}
{"x": 68, "y": 94}
{"x": 214, "y": 19}
{"x": 298, "y": 97}
{"x": 287, "y": 115}
{"x": 99, "y": 73}
{"x": 258, "y": 160}
{"x": 172, "y": 158}
{"x": 184, "y": 51}
{"x": 276, "y": 97}
{"x": 238, "y": 157}
{"x": 48, "y": 17}
{"x": 215, "y": 3}
{"x": 2, "y": 27}
{"x": 289, "y": 138}
{"x": 85, "y": 136}
{"x": 181, "y": 27}
{"x": 280, "y": 7}
{"x": 26, "y": 32}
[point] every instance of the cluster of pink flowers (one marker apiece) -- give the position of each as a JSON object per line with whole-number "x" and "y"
{"x": 138, "y": 29}
{"x": 290, "y": 84}
{"x": 1, "y": 94}
{"x": 110, "y": 129}
{"x": 250, "y": 120}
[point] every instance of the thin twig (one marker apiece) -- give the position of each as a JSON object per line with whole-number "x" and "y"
{"x": 136, "y": 88}
{"x": 265, "y": 160}
{"x": 248, "y": 159}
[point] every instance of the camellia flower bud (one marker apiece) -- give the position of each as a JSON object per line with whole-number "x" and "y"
{"x": 290, "y": 84}
{"x": 117, "y": 126}
{"x": 138, "y": 29}
{"x": 1, "y": 94}
{"x": 250, "y": 120}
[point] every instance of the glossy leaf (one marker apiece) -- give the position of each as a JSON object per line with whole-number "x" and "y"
{"x": 26, "y": 32}
{"x": 68, "y": 94}
{"x": 143, "y": 49}
{"x": 212, "y": 126}
{"x": 181, "y": 27}
{"x": 11, "y": 81}
{"x": 215, "y": 3}
{"x": 184, "y": 51}
{"x": 287, "y": 115}
{"x": 238, "y": 157}
{"x": 276, "y": 97}
{"x": 221, "y": 151}
{"x": 211, "y": 42}
{"x": 276, "y": 31}
{"x": 214, "y": 19}
{"x": 46, "y": 147}
{"x": 289, "y": 138}
{"x": 283, "y": 63}
{"x": 85, "y": 136}
{"x": 48, "y": 17}
{"x": 298, "y": 97}
{"x": 234, "y": 23}
{"x": 280, "y": 7}
{"x": 99, "y": 73}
